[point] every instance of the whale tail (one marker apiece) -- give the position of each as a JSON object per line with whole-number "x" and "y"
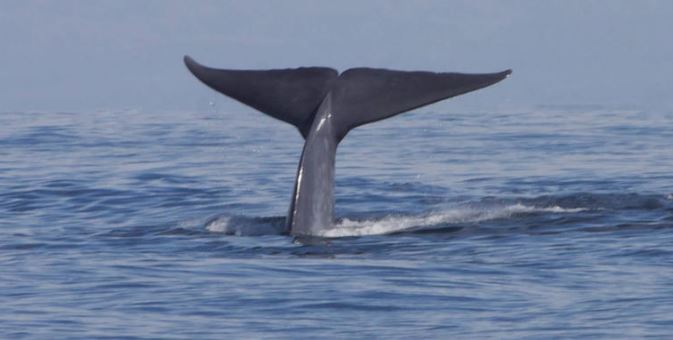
{"x": 324, "y": 106}
{"x": 359, "y": 95}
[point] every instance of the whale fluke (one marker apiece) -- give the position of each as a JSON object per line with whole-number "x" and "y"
{"x": 291, "y": 95}
{"x": 324, "y": 106}
{"x": 365, "y": 95}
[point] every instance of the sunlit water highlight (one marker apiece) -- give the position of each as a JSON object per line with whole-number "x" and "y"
{"x": 549, "y": 222}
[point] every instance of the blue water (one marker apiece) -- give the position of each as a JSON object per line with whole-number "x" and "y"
{"x": 548, "y": 222}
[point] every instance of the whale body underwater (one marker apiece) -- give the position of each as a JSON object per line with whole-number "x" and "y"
{"x": 324, "y": 105}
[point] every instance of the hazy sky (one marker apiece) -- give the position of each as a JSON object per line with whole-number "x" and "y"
{"x": 80, "y": 55}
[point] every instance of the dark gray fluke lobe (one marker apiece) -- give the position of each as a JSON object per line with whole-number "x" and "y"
{"x": 365, "y": 95}
{"x": 291, "y": 95}
{"x": 324, "y": 106}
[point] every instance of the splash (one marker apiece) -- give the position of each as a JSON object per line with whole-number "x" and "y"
{"x": 254, "y": 226}
{"x": 394, "y": 224}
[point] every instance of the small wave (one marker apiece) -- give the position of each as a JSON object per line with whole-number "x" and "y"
{"x": 399, "y": 223}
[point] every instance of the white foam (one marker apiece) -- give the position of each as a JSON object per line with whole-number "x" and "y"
{"x": 221, "y": 225}
{"x": 391, "y": 224}
{"x": 242, "y": 226}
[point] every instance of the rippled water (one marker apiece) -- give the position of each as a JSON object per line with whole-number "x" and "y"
{"x": 550, "y": 222}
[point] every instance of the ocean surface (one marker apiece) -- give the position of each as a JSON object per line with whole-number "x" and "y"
{"x": 538, "y": 223}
